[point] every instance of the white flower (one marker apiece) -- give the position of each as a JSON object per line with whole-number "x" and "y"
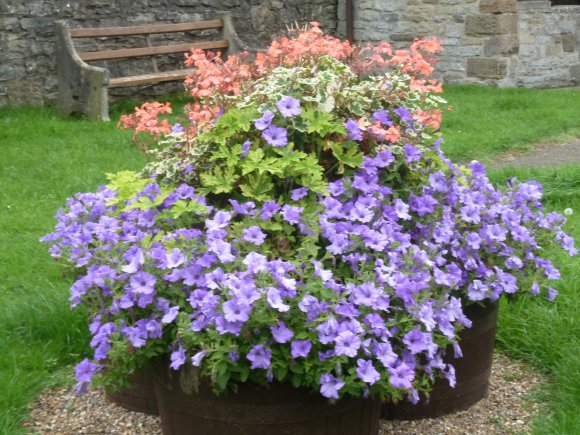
{"x": 568, "y": 212}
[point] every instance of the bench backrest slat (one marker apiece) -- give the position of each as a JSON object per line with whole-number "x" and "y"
{"x": 94, "y": 32}
{"x": 151, "y": 51}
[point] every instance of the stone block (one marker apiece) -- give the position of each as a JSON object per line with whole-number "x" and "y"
{"x": 569, "y": 42}
{"x": 187, "y": 2}
{"x": 37, "y": 26}
{"x": 486, "y": 68}
{"x": 504, "y": 45}
{"x": 418, "y": 15}
{"x": 262, "y": 18}
{"x": 554, "y": 50}
{"x": 535, "y": 6}
{"x": 431, "y": 2}
{"x": 471, "y": 40}
{"x": 491, "y": 24}
{"x": 498, "y": 6}
{"x": 403, "y": 37}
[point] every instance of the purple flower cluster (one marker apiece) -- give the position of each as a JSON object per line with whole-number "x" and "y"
{"x": 360, "y": 289}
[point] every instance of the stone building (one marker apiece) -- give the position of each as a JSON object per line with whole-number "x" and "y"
{"x": 501, "y": 42}
{"x": 532, "y": 43}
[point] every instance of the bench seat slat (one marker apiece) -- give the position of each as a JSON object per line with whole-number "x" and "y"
{"x": 149, "y": 79}
{"x": 144, "y": 30}
{"x": 150, "y": 51}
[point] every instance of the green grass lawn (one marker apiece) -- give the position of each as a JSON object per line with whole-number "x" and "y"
{"x": 487, "y": 121}
{"x": 44, "y": 159}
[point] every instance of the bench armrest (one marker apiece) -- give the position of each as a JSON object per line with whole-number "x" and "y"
{"x": 81, "y": 87}
{"x": 229, "y": 33}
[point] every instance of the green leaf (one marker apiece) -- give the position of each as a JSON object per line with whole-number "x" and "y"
{"x": 182, "y": 207}
{"x": 223, "y": 375}
{"x": 347, "y": 153}
{"x": 280, "y": 372}
{"x": 296, "y": 380}
{"x": 257, "y": 162}
{"x": 244, "y": 373}
{"x": 258, "y": 187}
{"x": 126, "y": 184}
{"x": 145, "y": 203}
{"x": 322, "y": 123}
{"x": 231, "y": 155}
{"x": 220, "y": 180}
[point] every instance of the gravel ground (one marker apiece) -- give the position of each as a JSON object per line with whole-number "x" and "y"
{"x": 508, "y": 409}
{"x": 544, "y": 155}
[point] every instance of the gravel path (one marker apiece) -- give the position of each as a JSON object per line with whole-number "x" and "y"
{"x": 507, "y": 409}
{"x": 544, "y": 155}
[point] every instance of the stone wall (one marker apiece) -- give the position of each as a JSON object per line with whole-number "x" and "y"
{"x": 549, "y": 52}
{"x": 27, "y": 61}
{"x": 498, "y": 42}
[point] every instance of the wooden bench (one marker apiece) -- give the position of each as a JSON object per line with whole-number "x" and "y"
{"x": 83, "y": 88}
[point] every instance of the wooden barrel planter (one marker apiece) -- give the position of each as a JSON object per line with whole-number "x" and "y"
{"x": 139, "y": 397}
{"x": 472, "y": 371}
{"x": 187, "y": 407}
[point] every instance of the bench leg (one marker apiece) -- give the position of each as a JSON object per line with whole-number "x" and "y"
{"x": 82, "y": 88}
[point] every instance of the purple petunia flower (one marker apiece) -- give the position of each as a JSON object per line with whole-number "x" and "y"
{"x": 264, "y": 122}
{"x": 281, "y": 333}
{"x": 246, "y": 148}
{"x": 477, "y": 290}
{"x": 412, "y": 153}
{"x": 416, "y": 341}
{"x": 236, "y": 310}
{"x": 254, "y": 235}
{"x": 384, "y": 353}
{"x": 365, "y": 294}
{"x": 220, "y": 220}
{"x": 353, "y": 129}
{"x": 177, "y": 358}
{"x": 330, "y": 385}
{"x": 222, "y": 250}
{"x": 347, "y": 343}
{"x": 438, "y": 182}
{"x": 403, "y": 114}
{"x": 170, "y": 315}
{"x": 142, "y": 282}
{"x": 551, "y": 294}
{"x": 402, "y": 376}
{"x": 276, "y": 136}
{"x": 198, "y": 357}
{"x": 292, "y": 214}
{"x": 177, "y": 128}
{"x": 255, "y": 262}
{"x": 85, "y": 370}
{"x": 423, "y": 205}
{"x": 269, "y": 209}
{"x": 383, "y": 117}
{"x": 134, "y": 256}
{"x": 366, "y": 371}
{"x": 260, "y": 357}
{"x": 298, "y": 194}
{"x": 275, "y": 300}
{"x": 175, "y": 258}
{"x": 289, "y": 107}
{"x": 300, "y": 348}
